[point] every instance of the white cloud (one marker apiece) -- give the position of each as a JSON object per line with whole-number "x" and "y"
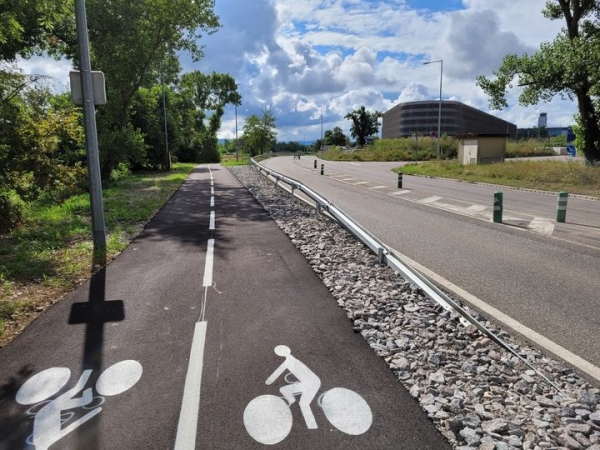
{"x": 57, "y": 71}
{"x": 298, "y": 56}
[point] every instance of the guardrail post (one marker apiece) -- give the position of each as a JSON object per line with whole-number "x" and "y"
{"x": 399, "y": 180}
{"x": 315, "y": 163}
{"x": 561, "y": 212}
{"x": 322, "y": 168}
{"x": 318, "y": 210}
{"x": 498, "y": 206}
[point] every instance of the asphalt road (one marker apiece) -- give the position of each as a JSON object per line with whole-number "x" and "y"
{"x": 546, "y": 281}
{"x": 172, "y": 345}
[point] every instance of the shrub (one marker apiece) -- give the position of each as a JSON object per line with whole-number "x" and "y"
{"x": 11, "y": 209}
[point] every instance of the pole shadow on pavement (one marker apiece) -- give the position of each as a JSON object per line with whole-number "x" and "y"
{"x": 94, "y": 314}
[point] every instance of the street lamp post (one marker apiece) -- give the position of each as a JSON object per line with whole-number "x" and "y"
{"x": 167, "y": 155}
{"x": 439, "y": 131}
{"x": 236, "y": 132}
{"x": 322, "y": 127}
{"x": 236, "y": 127}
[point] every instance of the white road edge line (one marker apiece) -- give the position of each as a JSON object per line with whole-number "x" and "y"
{"x": 208, "y": 268}
{"x": 188, "y": 416}
{"x": 542, "y": 341}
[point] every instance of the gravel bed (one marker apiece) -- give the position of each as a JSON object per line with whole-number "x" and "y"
{"x": 478, "y": 395}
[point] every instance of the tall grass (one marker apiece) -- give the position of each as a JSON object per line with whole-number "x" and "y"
{"x": 574, "y": 177}
{"x": 52, "y": 249}
{"x": 425, "y": 149}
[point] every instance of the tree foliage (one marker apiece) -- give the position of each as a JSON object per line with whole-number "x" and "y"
{"x": 136, "y": 44}
{"x": 30, "y": 27}
{"x": 335, "y": 137}
{"x": 41, "y": 145}
{"x": 364, "y": 124}
{"x": 569, "y": 66}
{"x": 260, "y": 133}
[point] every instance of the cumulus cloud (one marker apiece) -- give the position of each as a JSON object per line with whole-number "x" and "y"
{"x": 476, "y": 45}
{"x": 414, "y": 92}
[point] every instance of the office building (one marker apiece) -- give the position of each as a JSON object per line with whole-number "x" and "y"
{"x": 421, "y": 119}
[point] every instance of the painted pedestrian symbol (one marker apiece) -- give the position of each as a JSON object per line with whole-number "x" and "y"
{"x": 50, "y": 415}
{"x": 268, "y": 418}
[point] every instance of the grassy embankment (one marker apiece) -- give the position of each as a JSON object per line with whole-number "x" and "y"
{"x": 425, "y": 149}
{"x": 571, "y": 176}
{"x": 51, "y": 252}
{"x": 554, "y": 176}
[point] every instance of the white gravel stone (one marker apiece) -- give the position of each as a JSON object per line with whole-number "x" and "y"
{"x": 475, "y": 392}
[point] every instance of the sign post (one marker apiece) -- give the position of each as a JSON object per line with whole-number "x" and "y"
{"x": 91, "y": 136}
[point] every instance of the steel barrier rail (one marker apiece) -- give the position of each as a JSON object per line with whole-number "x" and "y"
{"x": 385, "y": 255}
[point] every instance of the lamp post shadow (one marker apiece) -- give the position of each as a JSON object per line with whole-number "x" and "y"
{"x": 94, "y": 314}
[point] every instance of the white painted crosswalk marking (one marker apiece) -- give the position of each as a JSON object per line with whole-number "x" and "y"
{"x": 432, "y": 199}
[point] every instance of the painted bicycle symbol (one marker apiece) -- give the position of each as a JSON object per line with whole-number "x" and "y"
{"x": 49, "y": 415}
{"x": 268, "y": 418}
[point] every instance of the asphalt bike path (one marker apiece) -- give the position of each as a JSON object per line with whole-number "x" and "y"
{"x": 209, "y": 331}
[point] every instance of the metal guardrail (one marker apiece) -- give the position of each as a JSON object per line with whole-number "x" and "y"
{"x": 386, "y": 256}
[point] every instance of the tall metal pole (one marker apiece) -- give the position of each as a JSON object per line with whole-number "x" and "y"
{"x": 440, "y": 109}
{"x": 91, "y": 135}
{"x": 236, "y": 132}
{"x": 439, "y": 131}
{"x": 164, "y": 102}
{"x": 236, "y": 124}
{"x": 322, "y": 143}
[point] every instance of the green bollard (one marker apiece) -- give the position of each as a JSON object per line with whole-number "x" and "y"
{"x": 561, "y": 212}
{"x": 399, "y": 180}
{"x": 315, "y": 163}
{"x": 498, "y": 197}
{"x": 322, "y": 168}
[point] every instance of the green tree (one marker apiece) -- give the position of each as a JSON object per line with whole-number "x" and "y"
{"x": 569, "y": 66}
{"x": 317, "y": 145}
{"x": 135, "y": 44}
{"x": 30, "y": 27}
{"x": 209, "y": 94}
{"x": 290, "y": 147}
{"x": 41, "y": 147}
{"x": 364, "y": 124}
{"x": 335, "y": 137}
{"x": 260, "y": 133}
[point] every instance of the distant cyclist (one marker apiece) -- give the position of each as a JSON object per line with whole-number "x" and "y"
{"x": 307, "y": 386}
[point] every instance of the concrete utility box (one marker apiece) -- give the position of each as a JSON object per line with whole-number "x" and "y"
{"x": 481, "y": 148}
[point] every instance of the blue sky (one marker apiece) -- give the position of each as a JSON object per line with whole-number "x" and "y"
{"x": 301, "y": 57}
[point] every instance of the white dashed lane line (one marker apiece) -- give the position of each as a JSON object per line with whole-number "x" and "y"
{"x": 188, "y": 417}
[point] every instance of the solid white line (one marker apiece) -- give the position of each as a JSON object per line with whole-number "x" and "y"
{"x": 212, "y": 221}
{"x": 188, "y": 417}
{"x": 212, "y": 202}
{"x": 208, "y": 268}
{"x": 533, "y": 336}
